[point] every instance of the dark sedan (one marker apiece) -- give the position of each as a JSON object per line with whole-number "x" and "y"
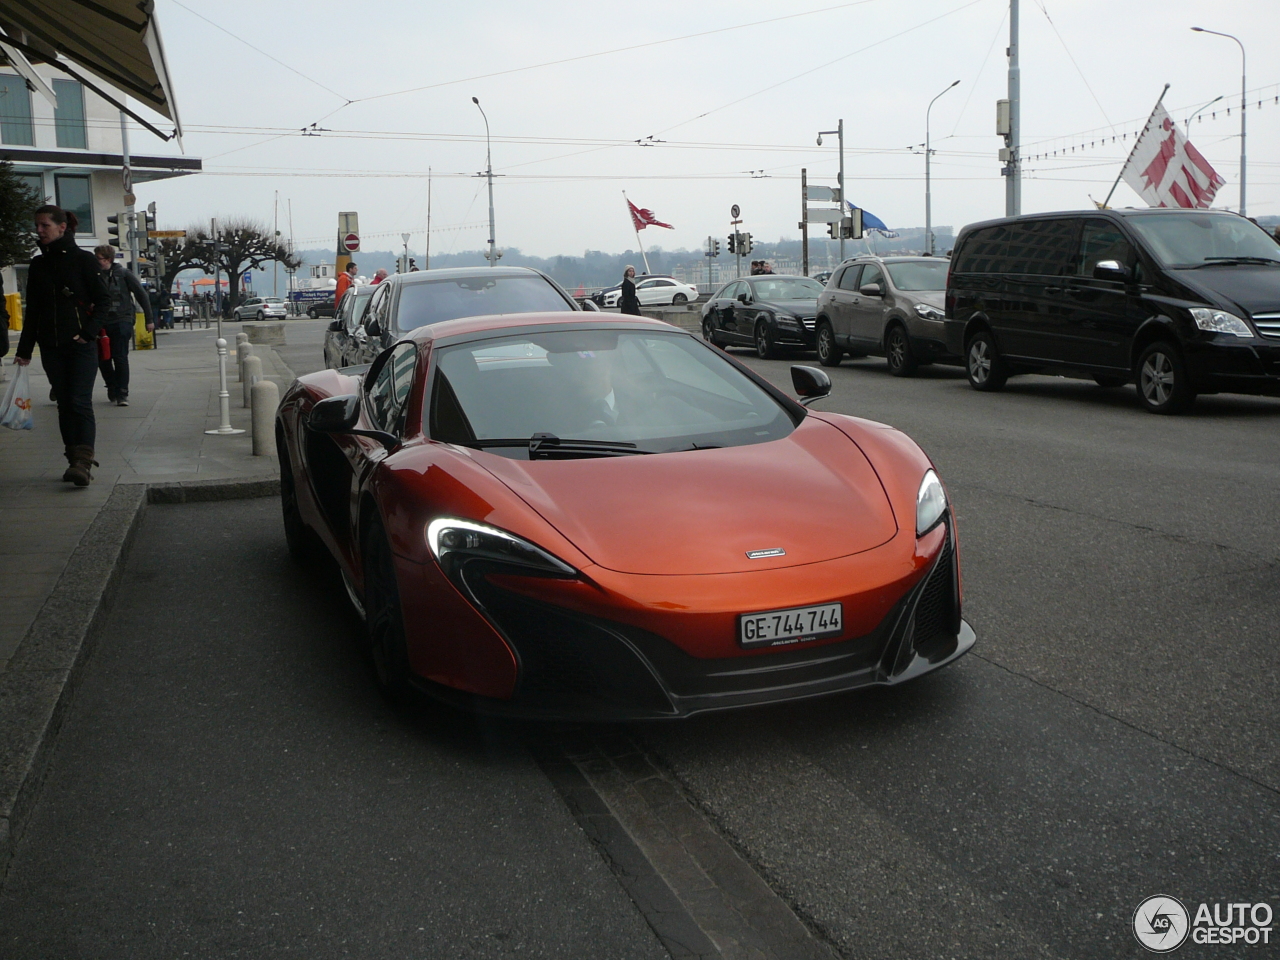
{"x": 766, "y": 312}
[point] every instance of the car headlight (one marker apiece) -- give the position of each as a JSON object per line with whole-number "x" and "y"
{"x": 928, "y": 312}
{"x": 454, "y": 542}
{"x": 931, "y": 503}
{"x": 785, "y": 321}
{"x": 1219, "y": 321}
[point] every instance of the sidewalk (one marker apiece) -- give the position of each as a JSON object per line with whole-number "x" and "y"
{"x": 159, "y": 437}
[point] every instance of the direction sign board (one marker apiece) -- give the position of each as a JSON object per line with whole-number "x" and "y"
{"x": 352, "y": 242}
{"x": 822, "y": 215}
{"x": 166, "y": 234}
{"x": 828, "y": 194}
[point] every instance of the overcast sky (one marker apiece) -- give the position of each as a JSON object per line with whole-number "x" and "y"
{"x": 736, "y": 93}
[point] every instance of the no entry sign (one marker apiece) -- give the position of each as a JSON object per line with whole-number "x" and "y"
{"x": 352, "y": 242}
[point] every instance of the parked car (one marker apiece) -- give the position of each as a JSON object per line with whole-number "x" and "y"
{"x": 655, "y": 291}
{"x": 260, "y": 308}
{"x": 321, "y": 308}
{"x": 528, "y": 511}
{"x": 1180, "y": 302}
{"x": 599, "y": 298}
{"x": 345, "y": 335}
{"x": 888, "y": 307}
{"x": 768, "y": 312}
{"x": 181, "y": 310}
{"x": 407, "y": 301}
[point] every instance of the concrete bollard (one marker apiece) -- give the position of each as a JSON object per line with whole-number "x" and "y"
{"x": 265, "y": 399}
{"x": 242, "y": 350}
{"x": 252, "y": 374}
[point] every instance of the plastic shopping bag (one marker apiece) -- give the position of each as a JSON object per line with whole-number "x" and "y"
{"x": 15, "y": 409}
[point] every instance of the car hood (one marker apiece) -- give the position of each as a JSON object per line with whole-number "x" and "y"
{"x": 934, "y": 298}
{"x": 813, "y": 494}
{"x": 1254, "y": 288}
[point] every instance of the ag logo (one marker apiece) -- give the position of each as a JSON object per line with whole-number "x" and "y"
{"x": 1161, "y": 924}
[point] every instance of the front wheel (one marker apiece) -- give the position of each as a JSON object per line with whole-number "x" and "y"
{"x": 983, "y": 364}
{"x": 384, "y": 621}
{"x": 1163, "y": 386}
{"x": 829, "y": 355}
{"x": 765, "y": 348}
{"x": 313, "y": 313}
{"x": 678, "y": 299}
{"x": 902, "y": 362}
{"x": 305, "y": 546}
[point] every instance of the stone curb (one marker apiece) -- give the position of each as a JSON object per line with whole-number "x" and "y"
{"x": 39, "y": 685}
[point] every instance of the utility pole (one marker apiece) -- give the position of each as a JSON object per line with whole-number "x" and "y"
{"x": 1013, "y": 168}
{"x": 488, "y": 159}
{"x": 804, "y": 221}
{"x": 130, "y": 214}
{"x": 426, "y": 255}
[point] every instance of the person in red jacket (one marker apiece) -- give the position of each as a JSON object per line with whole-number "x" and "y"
{"x": 345, "y": 280}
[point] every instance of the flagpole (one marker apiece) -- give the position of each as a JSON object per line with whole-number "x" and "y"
{"x": 1105, "y": 205}
{"x": 643, "y": 255}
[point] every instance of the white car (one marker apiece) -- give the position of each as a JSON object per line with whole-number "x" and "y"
{"x": 260, "y": 308}
{"x": 656, "y": 291}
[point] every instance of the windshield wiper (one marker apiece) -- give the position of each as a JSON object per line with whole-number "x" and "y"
{"x": 546, "y": 446}
{"x": 1232, "y": 261}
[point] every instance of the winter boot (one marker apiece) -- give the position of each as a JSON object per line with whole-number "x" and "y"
{"x": 81, "y": 464}
{"x": 70, "y": 453}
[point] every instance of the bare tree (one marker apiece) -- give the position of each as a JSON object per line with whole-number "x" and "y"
{"x": 243, "y": 244}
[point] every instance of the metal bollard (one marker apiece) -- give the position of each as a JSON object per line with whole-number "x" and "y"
{"x": 265, "y": 398}
{"x": 224, "y": 398}
{"x": 242, "y": 350}
{"x": 252, "y": 374}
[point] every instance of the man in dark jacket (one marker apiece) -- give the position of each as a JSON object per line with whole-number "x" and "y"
{"x": 66, "y": 300}
{"x": 123, "y": 289}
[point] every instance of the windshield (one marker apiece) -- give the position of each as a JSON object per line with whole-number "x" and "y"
{"x": 359, "y": 306}
{"x": 787, "y": 289}
{"x": 919, "y": 276}
{"x": 658, "y": 391}
{"x": 432, "y": 301}
{"x": 1193, "y": 239}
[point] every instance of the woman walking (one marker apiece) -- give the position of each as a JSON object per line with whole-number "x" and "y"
{"x": 66, "y": 300}
{"x": 628, "y": 302}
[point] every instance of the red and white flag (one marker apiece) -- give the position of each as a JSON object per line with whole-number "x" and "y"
{"x": 642, "y": 218}
{"x": 1166, "y": 170}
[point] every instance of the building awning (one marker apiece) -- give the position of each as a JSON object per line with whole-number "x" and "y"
{"x": 143, "y": 169}
{"x": 111, "y": 46}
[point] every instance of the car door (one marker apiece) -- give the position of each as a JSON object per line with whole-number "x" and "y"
{"x": 370, "y": 342}
{"x": 843, "y": 298}
{"x": 1037, "y": 255}
{"x": 1102, "y": 315}
{"x": 655, "y": 291}
{"x": 745, "y": 311}
{"x": 866, "y": 314}
{"x": 722, "y": 310}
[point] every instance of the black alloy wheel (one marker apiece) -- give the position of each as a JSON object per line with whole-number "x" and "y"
{"x": 1163, "y": 385}
{"x": 765, "y": 348}
{"x": 709, "y": 333}
{"x": 897, "y": 350}
{"x": 1108, "y": 383}
{"x": 384, "y": 620}
{"x": 983, "y": 364}
{"x": 678, "y": 299}
{"x": 305, "y": 546}
{"x": 313, "y": 313}
{"x": 829, "y": 355}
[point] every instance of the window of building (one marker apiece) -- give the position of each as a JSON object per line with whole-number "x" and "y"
{"x": 68, "y": 119}
{"x": 15, "y": 111}
{"x": 75, "y": 195}
{"x": 35, "y": 181}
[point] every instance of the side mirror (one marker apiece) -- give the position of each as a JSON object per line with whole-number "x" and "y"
{"x": 373, "y": 329}
{"x": 871, "y": 290}
{"x": 335, "y": 327}
{"x": 1110, "y": 270}
{"x": 810, "y": 383}
{"x": 339, "y": 415}
{"x": 744, "y": 298}
{"x": 589, "y": 306}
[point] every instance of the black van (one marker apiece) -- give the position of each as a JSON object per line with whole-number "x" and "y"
{"x": 1180, "y": 302}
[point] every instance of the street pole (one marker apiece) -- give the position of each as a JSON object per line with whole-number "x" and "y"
{"x": 804, "y": 221}
{"x": 1200, "y": 111}
{"x": 217, "y": 272}
{"x": 839, "y": 132}
{"x": 130, "y": 215}
{"x": 488, "y": 158}
{"x": 1013, "y": 185}
{"x": 928, "y": 199}
{"x": 1244, "y": 104}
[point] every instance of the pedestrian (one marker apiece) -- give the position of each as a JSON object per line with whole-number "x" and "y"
{"x": 380, "y": 275}
{"x": 345, "y": 280}
{"x": 66, "y": 299}
{"x": 123, "y": 289}
{"x": 766, "y": 267}
{"x": 628, "y": 302}
{"x": 755, "y": 268}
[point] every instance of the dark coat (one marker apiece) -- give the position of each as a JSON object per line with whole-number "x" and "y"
{"x": 66, "y": 297}
{"x": 124, "y": 289}
{"x": 628, "y": 302}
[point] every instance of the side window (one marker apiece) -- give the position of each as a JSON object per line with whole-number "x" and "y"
{"x": 983, "y": 251}
{"x": 849, "y": 279}
{"x": 1041, "y": 247}
{"x": 732, "y": 291}
{"x": 1102, "y": 240}
{"x": 373, "y": 313}
{"x": 872, "y": 273}
{"x": 389, "y": 391}
{"x": 378, "y": 394}
{"x": 405, "y": 361}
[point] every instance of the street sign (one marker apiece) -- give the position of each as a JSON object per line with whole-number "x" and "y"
{"x": 351, "y": 242}
{"x": 822, "y": 194}
{"x": 735, "y": 211}
{"x": 823, "y": 215}
{"x": 166, "y": 234}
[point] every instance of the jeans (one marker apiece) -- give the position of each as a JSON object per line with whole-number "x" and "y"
{"x": 115, "y": 372}
{"x": 72, "y": 369}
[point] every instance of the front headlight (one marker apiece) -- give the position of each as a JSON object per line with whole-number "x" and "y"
{"x": 454, "y": 542}
{"x": 785, "y": 321}
{"x": 1219, "y": 321}
{"x": 928, "y": 312}
{"x": 931, "y": 503}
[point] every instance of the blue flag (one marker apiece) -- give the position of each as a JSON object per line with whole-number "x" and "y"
{"x": 871, "y": 222}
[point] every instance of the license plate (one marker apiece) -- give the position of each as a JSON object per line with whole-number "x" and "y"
{"x": 775, "y": 628}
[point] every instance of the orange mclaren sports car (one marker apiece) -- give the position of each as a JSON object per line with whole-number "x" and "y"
{"x": 584, "y": 516}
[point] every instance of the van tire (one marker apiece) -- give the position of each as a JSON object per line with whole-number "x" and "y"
{"x": 987, "y": 372}
{"x": 1161, "y": 375}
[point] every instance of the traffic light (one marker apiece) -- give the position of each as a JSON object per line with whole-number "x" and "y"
{"x": 146, "y": 226}
{"x": 715, "y": 248}
{"x": 113, "y": 230}
{"x": 833, "y": 231}
{"x": 744, "y": 244}
{"x": 733, "y": 242}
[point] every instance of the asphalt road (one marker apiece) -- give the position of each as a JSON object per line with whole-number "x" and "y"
{"x": 228, "y": 777}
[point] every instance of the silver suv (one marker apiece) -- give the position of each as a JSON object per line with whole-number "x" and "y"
{"x": 890, "y": 307}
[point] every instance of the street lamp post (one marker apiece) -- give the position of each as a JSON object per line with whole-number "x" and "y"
{"x": 928, "y": 199}
{"x": 488, "y": 159}
{"x": 1198, "y": 112}
{"x": 1243, "y": 107}
{"x": 839, "y": 132}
